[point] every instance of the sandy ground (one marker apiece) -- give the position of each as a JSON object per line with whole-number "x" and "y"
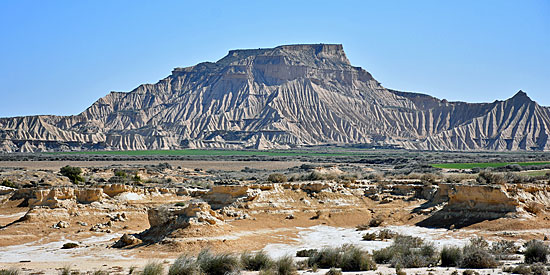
{"x": 34, "y": 246}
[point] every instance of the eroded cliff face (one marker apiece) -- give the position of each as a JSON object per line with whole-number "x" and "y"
{"x": 281, "y": 97}
{"x": 461, "y": 205}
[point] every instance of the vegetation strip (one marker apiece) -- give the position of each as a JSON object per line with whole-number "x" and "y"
{"x": 484, "y": 164}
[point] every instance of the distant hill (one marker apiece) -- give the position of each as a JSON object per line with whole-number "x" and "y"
{"x": 284, "y": 97}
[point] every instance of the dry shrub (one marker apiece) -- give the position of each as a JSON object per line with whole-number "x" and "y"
{"x": 362, "y": 227}
{"x": 533, "y": 208}
{"x": 451, "y": 256}
{"x": 277, "y": 178}
{"x": 185, "y": 265}
{"x": 536, "y": 252}
{"x": 153, "y": 268}
{"x": 375, "y": 222}
{"x": 217, "y": 264}
{"x": 285, "y": 266}
{"x": 256, "y": 261}
{"x": 476, "y": 255}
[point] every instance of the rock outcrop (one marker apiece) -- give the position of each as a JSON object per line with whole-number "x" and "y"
{"x": 282, "y": 97}
{"x": 467, "y": 204}
{"x": 165, "y": 220}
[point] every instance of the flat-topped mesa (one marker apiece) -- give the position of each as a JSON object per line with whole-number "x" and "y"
{"x": 275, "y": 66}
{"x": 302, "y": 53}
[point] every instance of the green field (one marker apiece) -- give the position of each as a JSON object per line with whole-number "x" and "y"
{"x": 483, "y": 164}
{"x": 202, "y": 152}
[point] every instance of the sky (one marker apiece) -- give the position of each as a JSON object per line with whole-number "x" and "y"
{"x": 58, "y": 57}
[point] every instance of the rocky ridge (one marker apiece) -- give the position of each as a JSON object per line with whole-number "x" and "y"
{"x": 283, "y": 97}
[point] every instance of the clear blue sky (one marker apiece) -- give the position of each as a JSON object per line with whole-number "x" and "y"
{"x": 58, "y": 57}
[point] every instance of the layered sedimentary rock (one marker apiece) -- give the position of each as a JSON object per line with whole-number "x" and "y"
{"x": 282, "y": 97}
{"x": 465, "y": 204}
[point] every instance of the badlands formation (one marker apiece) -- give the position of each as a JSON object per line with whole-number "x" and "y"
{"x": 325, "y": 203}
{"x": 284, "y": 97}
{"x": 120, "y": 217}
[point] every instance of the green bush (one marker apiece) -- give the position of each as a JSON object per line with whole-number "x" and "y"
{"x": 306, "y": 252}
{"x": 8, "y": 183}
{"x": 121, "y": 174}
{"x": 451, "y": 256}
{"x": 153, "y": 268}
{"x": 218, "y": 264}
{"x": 256, "y": 261}
{"x": 477, "y": 257}
{"x": 408, "y": 252}
{"x": 184, "y": 265}
{"x": 285, "y": 266}
{"x": 536, "y": 252}
{"x": 11, "y": 271}
{"x": 347, "y": 257}
{"x": 136, "y": 179}
{"x": 325, "y": 258}
{"x": 277, "y": 178}
{"x": 383, "y": 256}
{"x": 73, "y": 173}
{"x": 355, "y": 259}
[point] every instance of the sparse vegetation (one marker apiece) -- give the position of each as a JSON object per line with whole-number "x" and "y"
{"x": 11, "y": 271}
{"x": 375, "y": 222}
{"x": 306, "y": 252}
{"x": 476, "y": 255}
{"x": 382, "y": 235}
{"x": 347, "y": 257}
{"x": 355, "y": 259}
{"x": 256, "y": 261}
{"x": 73, "y": 173}
{"x": 362, "y": 227}
{"x": 217, "y": 264}
{"x": 535, "y": 269}
{"x": 153, "y": 268}
{"x": 536, "y": 252}
{"x": 369, "y": 236}
{"x": 483, "y": 165}
{"x": 504, "y": 250}
{"x": 533, "y": 208}
{"x": 334, "y": 271}
{"x": 184, "y": 265}
{"x": 408, "y": 252}
{"x": 8, "y": 183}
{"x": 285, "y": 266}
{"x": 451, "y": 256}
{"x": 486, "y": 177}
{"x": 277, "y": 178}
